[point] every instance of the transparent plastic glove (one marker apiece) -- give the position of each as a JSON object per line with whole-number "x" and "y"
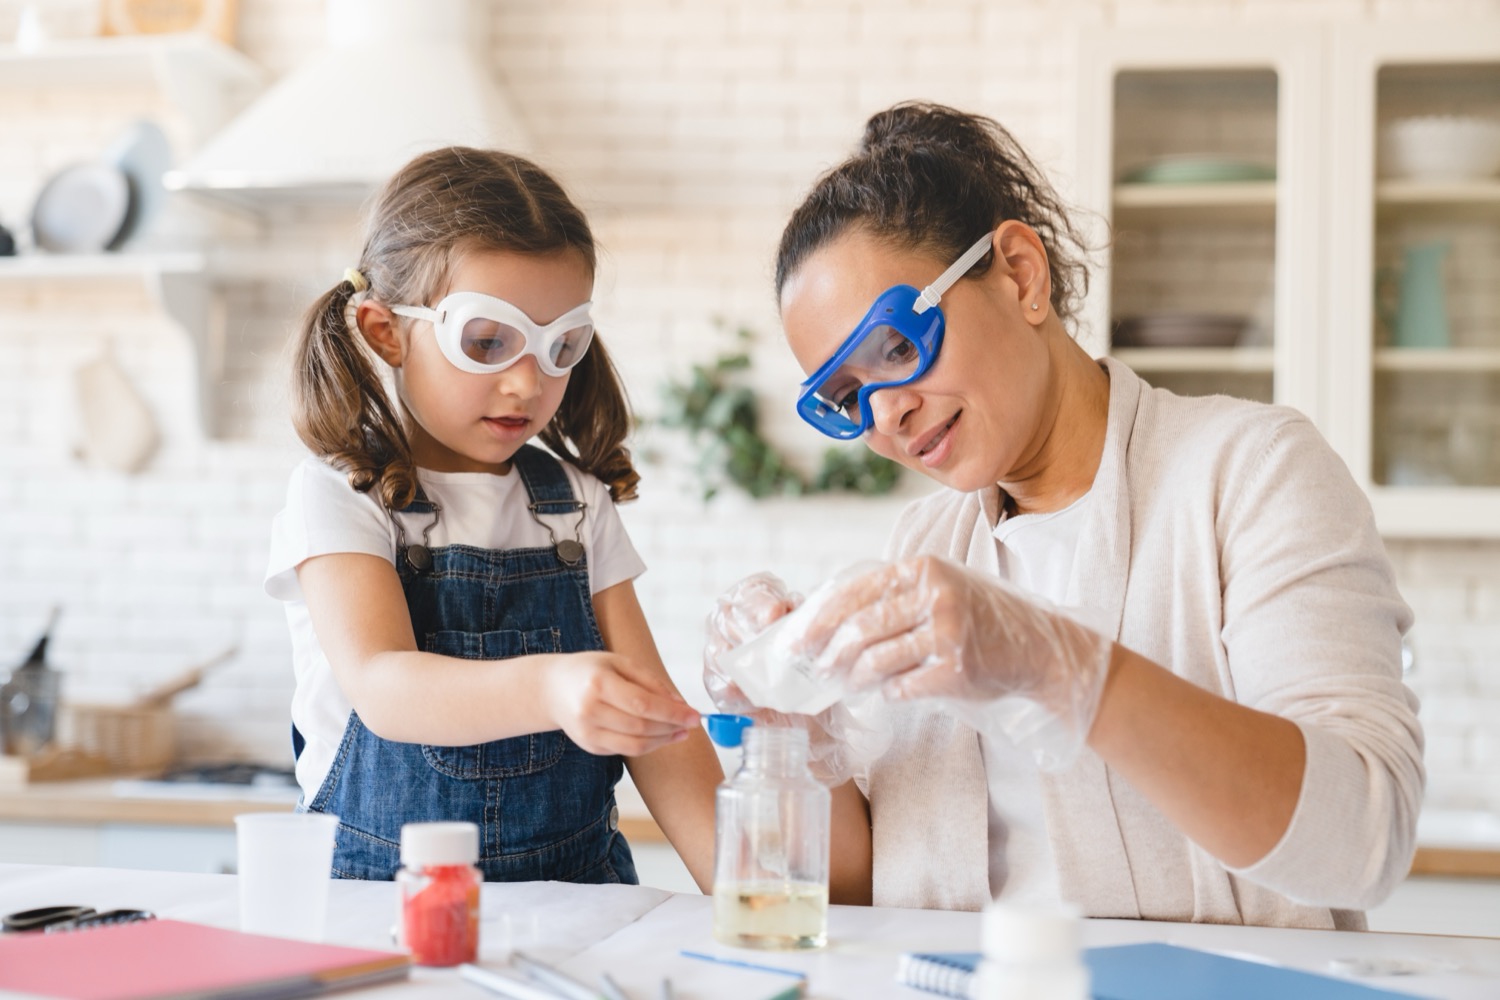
{"x": 931, "y": 628}
{"x": 843, "y": 738}
{"x": 741, "y": 613}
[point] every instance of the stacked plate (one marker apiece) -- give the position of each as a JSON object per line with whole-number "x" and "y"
{"x": 91, "y": 207}
{"x": 1180, "y": 330}
{"x": 1195, "y": 168}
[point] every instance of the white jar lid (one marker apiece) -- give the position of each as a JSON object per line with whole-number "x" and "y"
{"x": 424, "y": 844}
{"x": 1026, "y": 935}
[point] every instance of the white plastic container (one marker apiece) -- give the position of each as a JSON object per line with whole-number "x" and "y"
{"x": 285, "y": 864}
{"x": 1031, "y": 953}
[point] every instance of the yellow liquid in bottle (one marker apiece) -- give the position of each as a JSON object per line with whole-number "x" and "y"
{"x": 773, "y": 914}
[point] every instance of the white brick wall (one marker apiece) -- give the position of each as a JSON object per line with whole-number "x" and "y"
{"x": 688, "y": 128}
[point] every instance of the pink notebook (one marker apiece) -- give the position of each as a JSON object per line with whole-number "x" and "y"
{"x": 170, "y": 958}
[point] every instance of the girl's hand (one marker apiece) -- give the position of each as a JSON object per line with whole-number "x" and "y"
{"x": 607, "y": 706}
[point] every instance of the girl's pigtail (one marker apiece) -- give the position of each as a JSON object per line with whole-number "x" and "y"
{"x": 590, "y": 426}
{"x": 340, "y": 407}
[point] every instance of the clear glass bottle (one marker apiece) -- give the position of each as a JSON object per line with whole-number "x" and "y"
{"x": 771, "y": 846}
{"x": 438, "y": 888}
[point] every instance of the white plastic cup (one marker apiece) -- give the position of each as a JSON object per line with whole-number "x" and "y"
{"x": 285, "y": 864}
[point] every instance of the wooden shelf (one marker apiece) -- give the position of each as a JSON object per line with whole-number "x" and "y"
{"x": 1246, "y": 202}
{"x": 1454, "y": 360}
{"x": 1440, "y": 199}
{"x": 1238, "y": 360}
{"x": 126, "y": 60}
{"x": 45, "y": 266}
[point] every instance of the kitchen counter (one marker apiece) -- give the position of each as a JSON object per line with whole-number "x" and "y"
{"x": 1458, "y": 842}
{"x": 101, "y": 801}
{"x": 110, "y": 800}
{"x": 1462, "y": 844}
{"x": 1466, "y": 861}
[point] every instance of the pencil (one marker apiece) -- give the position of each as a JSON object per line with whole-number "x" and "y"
{"x": 505, "y": 986}
{"x": 611, "y": 988}
{"x": 743, "y": 965}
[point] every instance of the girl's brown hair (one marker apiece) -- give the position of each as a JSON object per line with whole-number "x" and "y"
{"x": 931, "y": 179}
{"x": 439, "y": 207}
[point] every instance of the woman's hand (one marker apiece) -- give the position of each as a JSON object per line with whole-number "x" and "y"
{"x": 927, "y": 627}
{"x": 607, "y": 706}
{"x": 743, "y": 612}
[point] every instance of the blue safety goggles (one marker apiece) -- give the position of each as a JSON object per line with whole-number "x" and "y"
{"x": 895, "y": 344}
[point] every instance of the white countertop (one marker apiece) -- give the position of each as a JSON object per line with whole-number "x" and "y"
{"x": 558, "y": 921}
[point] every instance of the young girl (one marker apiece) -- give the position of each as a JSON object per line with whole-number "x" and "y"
{"x": 466, "y": 636}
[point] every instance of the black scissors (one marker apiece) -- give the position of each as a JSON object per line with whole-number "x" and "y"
{"x": 68, "y": 918}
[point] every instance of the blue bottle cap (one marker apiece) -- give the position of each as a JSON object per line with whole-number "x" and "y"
{"x": 727, "y": 730}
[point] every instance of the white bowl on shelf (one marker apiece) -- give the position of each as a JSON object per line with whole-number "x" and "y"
{"x": 1442, "y": 147}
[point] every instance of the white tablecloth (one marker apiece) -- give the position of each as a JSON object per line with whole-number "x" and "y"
{"x": 628, "y": 928}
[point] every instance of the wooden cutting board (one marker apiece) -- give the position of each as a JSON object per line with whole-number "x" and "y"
{"x": 53, "y": 764}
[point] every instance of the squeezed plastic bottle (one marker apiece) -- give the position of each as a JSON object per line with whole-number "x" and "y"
{"x": 771, "y": 845}
{"x": 770, "y": 669}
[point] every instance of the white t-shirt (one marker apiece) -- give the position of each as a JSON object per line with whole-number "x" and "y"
{"x": 324, "y": 515}
{"x": 1037, "y": 553}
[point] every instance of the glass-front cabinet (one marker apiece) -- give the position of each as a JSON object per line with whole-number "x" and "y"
{"x": 1201, "y": 159}
{"x": 1312, "y": 218}
{"x": 1414, "y": 292}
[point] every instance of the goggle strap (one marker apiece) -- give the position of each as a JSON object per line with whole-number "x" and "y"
{"x": 418, "y": 312}
{"x": 933, "y": 293}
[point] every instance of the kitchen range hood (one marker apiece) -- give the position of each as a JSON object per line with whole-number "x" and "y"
{"x": 397, "y": 78}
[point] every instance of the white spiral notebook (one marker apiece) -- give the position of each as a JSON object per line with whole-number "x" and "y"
{"x": 944, "y": 973}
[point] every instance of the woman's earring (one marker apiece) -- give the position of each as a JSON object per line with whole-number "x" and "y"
{"x": 1035, "y": 307}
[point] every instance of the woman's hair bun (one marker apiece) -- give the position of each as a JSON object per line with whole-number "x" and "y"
{"x": 931, "y": 178}
{"x": 919, "y": 123}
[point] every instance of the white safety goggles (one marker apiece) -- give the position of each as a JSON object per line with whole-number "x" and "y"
{"x": 481, "y": 334}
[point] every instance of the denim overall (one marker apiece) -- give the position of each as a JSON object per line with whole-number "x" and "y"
{"x": 545, "y": 808}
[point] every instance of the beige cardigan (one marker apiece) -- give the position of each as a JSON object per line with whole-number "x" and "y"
{"x": 1226, "y": 541}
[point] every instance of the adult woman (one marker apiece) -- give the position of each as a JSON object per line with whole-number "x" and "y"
{"x": 1251, "y": 753}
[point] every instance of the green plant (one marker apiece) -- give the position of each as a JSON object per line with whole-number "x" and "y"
{"x": 722, "y": 415}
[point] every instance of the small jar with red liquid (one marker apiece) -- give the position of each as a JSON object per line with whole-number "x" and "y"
{"x": 438, "y": 886}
